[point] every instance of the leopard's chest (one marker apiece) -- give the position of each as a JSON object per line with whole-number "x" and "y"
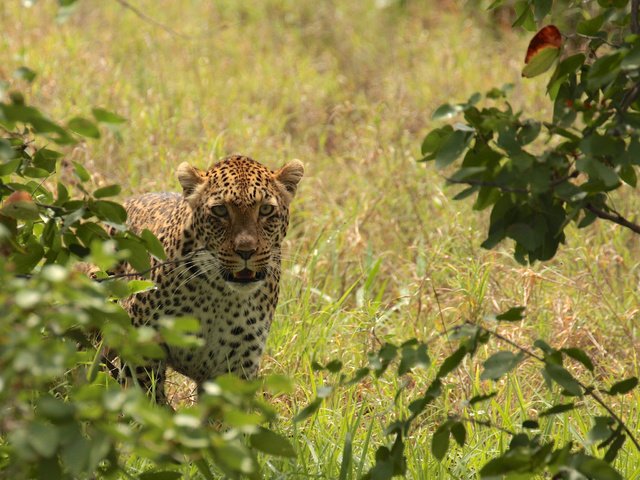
{"x": 233, "y": 326}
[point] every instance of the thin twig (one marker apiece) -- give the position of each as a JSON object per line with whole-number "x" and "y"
{"x": 150, "y": 20}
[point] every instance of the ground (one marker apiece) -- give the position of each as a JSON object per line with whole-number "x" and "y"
{"x": 377, "y": 249}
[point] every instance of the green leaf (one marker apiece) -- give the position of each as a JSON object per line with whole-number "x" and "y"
{"x": 153, "y": 244}
{"x": 451, "y": 362}
{"x": 446, "y": 111}
{"x": 596, "y": 469}
{"x": 46, "y": 159}
{"x": 514, "y": 314}
{"x": 81, "y": 172}
{"x": 434, "y": 139}
{"x": 440, "y": 441}
{"x": 591, "y": 26}
{"x": 580, "y": 356}
{"x": 524, "y": 16}
{"x": 83, "y": 127}
{"x": 623, "y": 386}
{"x": 105, "y": 116}
{"x": 561, "y": 408}
{"x": 21, "y": 210}
{"x": 269, "y": 442}
{"x": 541, "y": 62}
{"x": 542, "y": 9}
{"x": 55, "y": 409}
{"x": 562, "y": 377}
{"x": 604, "y": 70}
{"x": 10, "y": 166}
{"x": 138, "y": 286}
{"x": 452, "y": 148}
{"x": 500, "y": 466}
{"x": 601, "y": 430}
{"x": 138, "y": 256}
{"x": 24, "y": 73}
{"x": 110, "y": 211}
{"x": 481, "y": 397}
{"x": 459, "y": 433}
{"x": 44, "y": 438}
{"x": 26, "y": 262}
{"x": 615, "y": 447}
{"x": 334, "y": 366}
{"x": 631, "y": 61}
{"x": 628, "y": 175}
{"x": 413, "y": 356}
{"x": 499, "y": 364}
{"x": 108, "y": 191}
{"x": 309, "y": 410}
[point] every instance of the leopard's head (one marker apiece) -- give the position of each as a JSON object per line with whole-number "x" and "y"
{"x": 240, "y": 215}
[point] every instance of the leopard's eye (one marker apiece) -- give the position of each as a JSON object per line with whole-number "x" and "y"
{"x": 266, "y": 209}
{"x": 220, "y": 211}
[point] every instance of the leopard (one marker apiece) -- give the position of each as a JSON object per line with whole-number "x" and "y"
{"x": 222, "y": 237}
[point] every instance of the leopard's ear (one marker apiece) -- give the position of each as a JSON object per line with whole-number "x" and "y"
{"x": 189, "y": 177}
{"x": 290, "y": 175}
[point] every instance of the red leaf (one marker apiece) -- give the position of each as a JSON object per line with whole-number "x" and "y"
{"x": 548, "y": 37}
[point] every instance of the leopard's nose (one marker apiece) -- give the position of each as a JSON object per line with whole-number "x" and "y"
{"x": 246, "y": 254}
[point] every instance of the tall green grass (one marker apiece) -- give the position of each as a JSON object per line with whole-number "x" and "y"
{"x": 377, "y": 249}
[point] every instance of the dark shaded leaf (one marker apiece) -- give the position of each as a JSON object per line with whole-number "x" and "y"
{"x": 580, "y": 356}
{"x": 514, "y": 314}
{"x": 452, "y": 148}
{"x": 623, "y": 386}
{"x": 459, "y": 433}
{"x": 562, "y": 377}
{"x": 452, "y": 362}
{"x": 309, "y": 410}
{"x": 561, "y": 408}
{"x": 482, "y": 398}
{"x": 615, "y": 447}
{"x": 24, "y": 73}
{"x": 440, "y": 441}
{"x": 499, "y": 364}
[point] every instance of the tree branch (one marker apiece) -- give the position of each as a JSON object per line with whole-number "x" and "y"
{"x": 613, "y": 216}
{"x": 635, "y": 6}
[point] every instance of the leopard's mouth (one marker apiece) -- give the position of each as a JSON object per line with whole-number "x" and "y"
{"x": 244, "y": 276}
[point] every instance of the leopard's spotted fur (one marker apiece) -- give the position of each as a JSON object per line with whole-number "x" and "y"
{"x": 222, "y": 238}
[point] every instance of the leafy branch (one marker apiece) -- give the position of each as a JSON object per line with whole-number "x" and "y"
{"x": 526, "y": 454}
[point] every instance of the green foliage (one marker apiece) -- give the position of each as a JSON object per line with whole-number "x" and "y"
{"x": 538, "y": 176}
